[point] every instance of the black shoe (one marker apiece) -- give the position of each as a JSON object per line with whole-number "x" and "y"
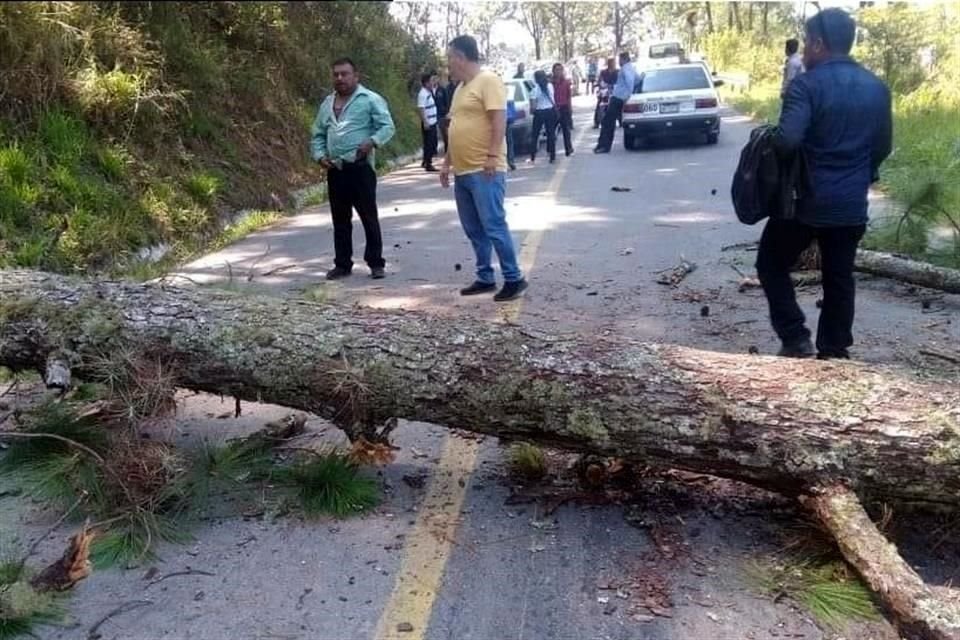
{"x": 512, "y": 166}
{"x": 569, "y": 153}
{"x": 553, "y": 159}
{"x": 337, "y": 272}
{"x": 377, "y": 273}
{"x": 802, "y": 349}
{"x": 836, "y": 354}
{"x": 511, "y": 291}
{"x": 477, "y": 288}
{"x": 601, "y": 150}
{"x": 431, "y": 169}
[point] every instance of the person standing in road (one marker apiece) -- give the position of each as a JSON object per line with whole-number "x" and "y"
{"x": 591, "y": 75}
{"x": 544, "y": 105}
{"x": 427, "y": 104}
{"x": 622, "y": 90}
{"x": 442, "y": 96}
{"x": 839, "y": 115}
{"x": 792, "y": 66}
{"x": 477, "y": 157}
{"x": 563, "y": 95}
{"x": 350, "y": 124}
{"x": 521, "y": 72}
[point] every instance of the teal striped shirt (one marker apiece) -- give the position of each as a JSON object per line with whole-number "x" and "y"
{"x": 365, "y": 115}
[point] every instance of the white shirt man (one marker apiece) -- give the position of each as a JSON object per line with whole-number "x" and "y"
{"x": 427, "y": 104}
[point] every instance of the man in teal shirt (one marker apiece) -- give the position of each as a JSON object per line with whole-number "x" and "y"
{"x": 351, "y": 123}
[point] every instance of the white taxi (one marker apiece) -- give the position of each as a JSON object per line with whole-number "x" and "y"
{"x": 672, "y": 100}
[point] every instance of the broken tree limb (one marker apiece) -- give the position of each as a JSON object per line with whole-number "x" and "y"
{"x": 912, "y": 271}
{"x": 782, "y": 424}
{"x": 921, "y": 611}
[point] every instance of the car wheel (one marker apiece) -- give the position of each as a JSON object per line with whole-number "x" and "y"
{"x": 629, "y": 141}
{"x": 713, "y": 138}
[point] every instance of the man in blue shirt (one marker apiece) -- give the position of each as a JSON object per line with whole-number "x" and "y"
{"x": 622, "y": 90}
{"x": 351, "y": 123}
{"x": 839, "y": 115}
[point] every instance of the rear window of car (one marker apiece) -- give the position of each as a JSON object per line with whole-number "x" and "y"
{"x": 518, "y": 95}
{"x": 667, "y": 50}
{"x": 657, "y": 80}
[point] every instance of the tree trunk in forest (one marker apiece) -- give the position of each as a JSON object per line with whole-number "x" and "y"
{"x": 730, "y": 15}
{"x": 781, "y": 424}
{"x": 750, "y": 16}
{"x": 766, "y": 19}
{"x": 735, "y": 8}
{"x": 709, "y": 10}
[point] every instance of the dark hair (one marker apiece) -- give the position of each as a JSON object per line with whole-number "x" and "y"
{"x": 835, "y": 27}
{"x": 466, "y": 45}
{"x": 793, "y": 45}
{"x": 540, "y": 77}
{"x": 342, "y": 61}
{"x": 624, "y": 57}
{"x": 425, "y": 77}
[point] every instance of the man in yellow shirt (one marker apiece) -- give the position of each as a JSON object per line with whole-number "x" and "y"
{"x": 477, "y": 153}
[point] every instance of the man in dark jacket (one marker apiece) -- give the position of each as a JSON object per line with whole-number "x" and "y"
{"x": 839, "y": 114}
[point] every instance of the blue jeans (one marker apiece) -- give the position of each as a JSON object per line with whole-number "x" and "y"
{"x": 484, "y": 220}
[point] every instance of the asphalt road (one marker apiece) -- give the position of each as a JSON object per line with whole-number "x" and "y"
{"x": 454, "y": 557}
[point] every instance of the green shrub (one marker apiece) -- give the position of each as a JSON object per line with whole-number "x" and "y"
{"x": 203, "y": 188}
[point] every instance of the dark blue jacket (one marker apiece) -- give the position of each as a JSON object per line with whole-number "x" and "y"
{"x": 840, "y": 114}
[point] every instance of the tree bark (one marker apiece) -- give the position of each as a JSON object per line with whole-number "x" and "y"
{"x": 709, "y": 10}
{"x": 921, "y": 611}
{"x": 912, "y": 271}
{"x": 766, "y": 19}
{"x": 781, "y": 424}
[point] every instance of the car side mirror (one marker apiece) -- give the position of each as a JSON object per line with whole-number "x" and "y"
{"x": 718, "y": 83}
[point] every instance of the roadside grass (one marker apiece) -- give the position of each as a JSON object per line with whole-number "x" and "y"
{"x": 922, "y": 174}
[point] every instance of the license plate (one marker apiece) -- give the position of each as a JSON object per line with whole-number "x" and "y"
{"x": 669, "y": 108}
{"x": 649, "y": 107}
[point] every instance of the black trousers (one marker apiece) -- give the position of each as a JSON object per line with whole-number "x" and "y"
{"x": 544, "y": 118}
{"x": 355, "y": 187}
{"x": 565, "y": 113}
{"x": 781, "y": 244}
{"x": 609, "y": 125}
{"x": 429, "y": 144}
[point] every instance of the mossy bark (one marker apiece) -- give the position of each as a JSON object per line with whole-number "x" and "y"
{"x": 781, "y": 424}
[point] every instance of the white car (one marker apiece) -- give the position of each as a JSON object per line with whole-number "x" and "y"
{"x": 679, "y": 99}
{"x": 661, "y": 54}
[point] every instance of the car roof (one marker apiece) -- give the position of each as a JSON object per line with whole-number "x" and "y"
{"x": 686, "y": 65}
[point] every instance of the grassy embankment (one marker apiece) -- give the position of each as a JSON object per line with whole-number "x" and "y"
{"x": 130, "y": 125}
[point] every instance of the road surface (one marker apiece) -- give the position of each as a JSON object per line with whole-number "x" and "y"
{"x": 455, "y": 557}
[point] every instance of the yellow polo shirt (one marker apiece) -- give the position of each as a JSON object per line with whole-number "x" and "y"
{"x": 470, "y": 127}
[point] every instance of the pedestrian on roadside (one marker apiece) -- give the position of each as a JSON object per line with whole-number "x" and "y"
{"x": 511, "y": 118}
{"x": 792, "y": 66}
{"x": 839, "y": 115}
{"x": 562, "y": 93}
{"x": 622, "y": 90}
{"x": 591, "y": 75}
{"x": 427, "y": 104}
{"x": 442, "y": 96}
{"x": 350, "y": 124}
{"x": 477, "y": 156}
{"x": 521, "y": 71}
{"x": 544, "y": 106}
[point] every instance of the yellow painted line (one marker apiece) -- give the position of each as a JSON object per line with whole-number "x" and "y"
{"x": 428, "y": 544}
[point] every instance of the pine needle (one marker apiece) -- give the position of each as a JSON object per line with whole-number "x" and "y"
{"x": 330, "y": 484}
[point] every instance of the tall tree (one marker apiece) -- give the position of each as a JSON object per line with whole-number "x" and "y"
{"x": 455, "y": 16}
{"x": 709, "y": 12}
{"x": 622, "y": 15}
{"x": 480, "y": 20}
{"x": 563, "y": 21}
{"x": 533, "y": 17}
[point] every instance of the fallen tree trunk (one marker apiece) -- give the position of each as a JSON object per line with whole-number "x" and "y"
{"x": 912, "y": 271}
{"x": 781, "y": 424}
{"x": 922, "y": 611}
{"x": 787, "y": 425}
